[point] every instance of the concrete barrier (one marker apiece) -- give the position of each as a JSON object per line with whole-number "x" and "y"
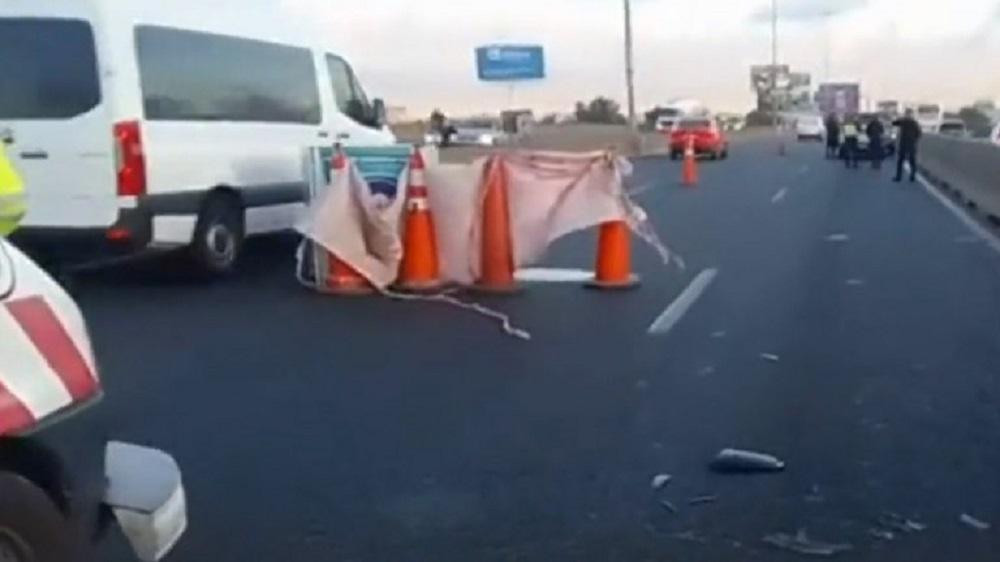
{"x": 968, "y": 167}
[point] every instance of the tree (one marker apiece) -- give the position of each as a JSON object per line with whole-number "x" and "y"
{"x": 977, "y": 122}
{"x": 600, "y": 110}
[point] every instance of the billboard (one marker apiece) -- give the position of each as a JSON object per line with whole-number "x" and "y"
{"x": 778, "y": 88}
{"x": 840, "y": 98}
{"x": 503, "y": 63}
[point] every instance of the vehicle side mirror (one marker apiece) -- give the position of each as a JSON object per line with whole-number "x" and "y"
{"x": 145, "y": 492}
{"x": 378, "y": 113}
{"x": 357, "y": 111}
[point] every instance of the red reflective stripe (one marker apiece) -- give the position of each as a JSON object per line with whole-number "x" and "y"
{"x": 54, "y": 344}
{"x": 14, "y": 416}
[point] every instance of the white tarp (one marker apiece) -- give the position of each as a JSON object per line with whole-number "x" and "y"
{"x": 549, "y": 195}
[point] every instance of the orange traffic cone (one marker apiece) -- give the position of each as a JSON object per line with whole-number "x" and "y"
{"x": 419, "y": 270}
{"x": 689, "y": 173}
{"x": 614, "y": 258}
{"x": 497, "y": 254}
{"x": 341, "y": 278}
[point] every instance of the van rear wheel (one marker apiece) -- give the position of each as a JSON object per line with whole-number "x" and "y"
{"x": 31, "y": 528}
{"x": 218, "y": 236}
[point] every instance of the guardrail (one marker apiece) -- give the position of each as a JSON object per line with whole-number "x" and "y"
{"x": 968, "y": 167}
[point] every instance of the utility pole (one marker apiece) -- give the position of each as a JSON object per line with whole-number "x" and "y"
{"x": 629, "y": 64}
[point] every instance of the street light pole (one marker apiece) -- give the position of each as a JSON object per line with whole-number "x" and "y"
{"x": 629, "y": 65}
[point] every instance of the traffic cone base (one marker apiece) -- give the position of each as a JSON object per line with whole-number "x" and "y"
{"x": 342, "y": 279}
{"x": 631, "y": 282}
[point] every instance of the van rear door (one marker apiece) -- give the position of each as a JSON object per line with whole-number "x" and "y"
{"x": 53, "y": 116}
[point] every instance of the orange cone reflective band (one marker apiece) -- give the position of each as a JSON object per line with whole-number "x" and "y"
{"x": 614, "y": 258}
{"x": 341, "y": 278}
{"x": 690, "y": 169}
{"x": 419, "y": 270}
{"x": 497, "y": 265}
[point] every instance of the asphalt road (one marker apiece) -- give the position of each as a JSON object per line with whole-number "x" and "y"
{"x": 314, "y": 428}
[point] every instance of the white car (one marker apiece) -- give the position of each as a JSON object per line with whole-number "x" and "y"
{"x": 995, "y": 135}
{"x": 48, "y": 376}
{"x": 810, "y": 128}
{"x": 667, "y": 123}
{"x": 142, "y": 124}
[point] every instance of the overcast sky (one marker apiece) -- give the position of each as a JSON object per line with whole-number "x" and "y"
{"x": 419, "y": 53}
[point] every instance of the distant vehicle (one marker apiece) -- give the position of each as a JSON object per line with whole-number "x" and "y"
{"x": 995, "y": 135}
{"x": 139, "y": 125}
{"x": 929, "y": 116}
{"x": 677, "y": 110}
{"x": 810, "y": 127}
{"x": 953, "y": 128}
{"x": 707, "y": 136}
{"x": 889, "y": 108}
{"x": 478, "y": 132}
{"x": 731, "y": 121}
{"x": 55, "y": 497}
{"x": 888, "y": 138}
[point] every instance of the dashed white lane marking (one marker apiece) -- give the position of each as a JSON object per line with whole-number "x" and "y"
{"x": 838, "y": 237}
{"x": 779, "y": 195}
{"x": 677, "y": 309}
{"x": 553, "y": 275}
{"x": 975, "y": 227}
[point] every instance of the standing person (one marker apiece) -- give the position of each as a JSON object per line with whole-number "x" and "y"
{"x": 832, "y": 136}
{"x": 11, "y": 195}
{"x": 909, "y": 138}
{"x": 851, "y": 143}
{"x": 875, "y": 130}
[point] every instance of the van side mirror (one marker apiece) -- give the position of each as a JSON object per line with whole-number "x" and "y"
{"x": 378, "y": 113}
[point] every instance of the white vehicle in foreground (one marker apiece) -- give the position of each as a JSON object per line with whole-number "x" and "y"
{"x": 142, "y": 124}
{"x": 51, "y": 497}
{"x": 810, "y": 127}
{"x": 995, "y": 135}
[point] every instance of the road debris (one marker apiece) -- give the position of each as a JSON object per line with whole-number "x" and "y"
{"x": 802, "y": 544}
{"x": 660, "y": 480}
{"x": 976, "y": 524}
{"x": 702, "y": 500}
{"x": 881, "y": 534}
{"x": 896, "y": 522}
{"x": 689, "y": 536}
{"x": 669, "y": 506}
{"x": 735, "y": 460}
{"x": 770, "y": 357}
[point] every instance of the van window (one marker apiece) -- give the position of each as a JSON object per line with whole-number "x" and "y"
{"x": 351, "y": 98}
{"x": 191, "y": 76}
{"x": 49, "y": 68}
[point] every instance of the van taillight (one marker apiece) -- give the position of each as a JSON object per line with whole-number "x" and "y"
{"x": 129, "y": 159}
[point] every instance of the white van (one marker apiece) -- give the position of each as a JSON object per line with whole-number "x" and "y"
{"x": 143, "y": 124}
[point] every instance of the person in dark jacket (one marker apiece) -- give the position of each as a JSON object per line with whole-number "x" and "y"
{"x": 832, "y": 136}
{"x": 909, "y": 138}
{"x": 875, "y": 130}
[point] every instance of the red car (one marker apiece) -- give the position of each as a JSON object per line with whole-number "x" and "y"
{"x": 708, "y": 138}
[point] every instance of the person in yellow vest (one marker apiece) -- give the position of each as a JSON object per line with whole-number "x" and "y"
{"x": 12, "y": 205}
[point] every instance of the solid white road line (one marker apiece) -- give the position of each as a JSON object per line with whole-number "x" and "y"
{"x": 975, "y": 227}
{"x": 553, "y": 275}
{"x": 677, "y": 309}
{"x": 779, "y": 195}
